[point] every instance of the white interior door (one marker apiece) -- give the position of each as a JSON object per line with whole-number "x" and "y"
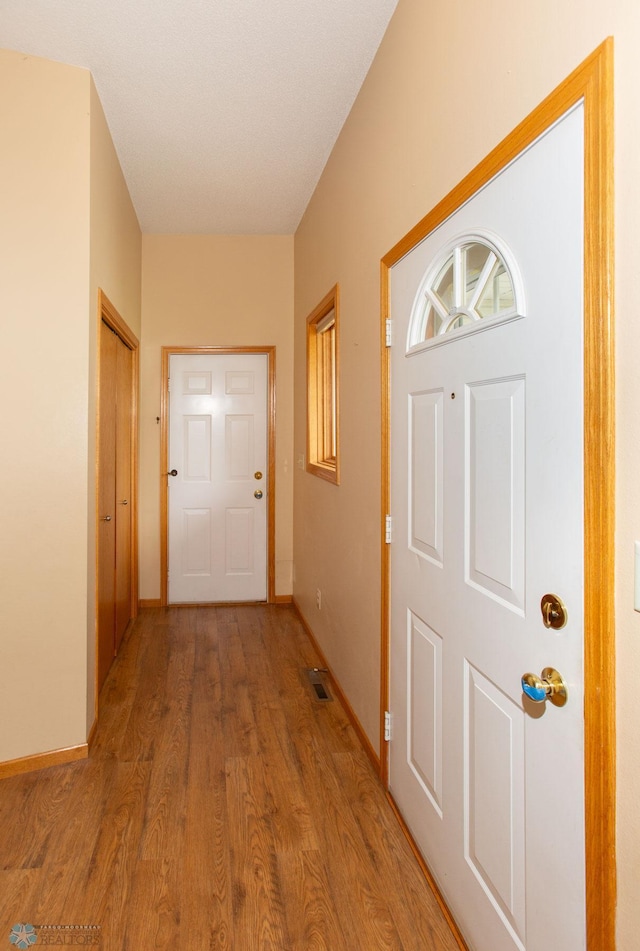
{"x": 487, "y": 508}
{"x": 218, "y": 496}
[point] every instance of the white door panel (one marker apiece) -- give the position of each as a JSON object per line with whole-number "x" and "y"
{"x": 487, "y": 494}
{"x": 217, "y": 444}
{"x": 495, "y": 520}
{"x": 424, "y": 706}
{"x": 494, "y": 806}
{"x": 426, "y": 473}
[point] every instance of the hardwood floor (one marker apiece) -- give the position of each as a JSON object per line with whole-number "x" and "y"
{"x": 222, "y": 807}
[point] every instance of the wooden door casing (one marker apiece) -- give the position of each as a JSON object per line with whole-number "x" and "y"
{"x": 116, "y": 486}
{"x": 269, "y": 352}
{"x": 122, "y": 488}
{"x": 106, "y": 540}
{"x": 591, "y": 83}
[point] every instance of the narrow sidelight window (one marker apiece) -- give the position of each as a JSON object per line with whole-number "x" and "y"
{"x": 322, "y": 389}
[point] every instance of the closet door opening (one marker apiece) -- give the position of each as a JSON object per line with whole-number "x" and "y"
{"x": 116, "y": 598}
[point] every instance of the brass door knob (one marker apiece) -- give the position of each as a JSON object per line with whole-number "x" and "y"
{"x": 258, "y": 493}
{"x": 548, "y": 686}
{"x": 257, "y": 475}
{"x": 174, "y": 472}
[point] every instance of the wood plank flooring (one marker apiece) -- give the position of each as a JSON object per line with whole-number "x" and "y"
{"x": 222, "y": 807}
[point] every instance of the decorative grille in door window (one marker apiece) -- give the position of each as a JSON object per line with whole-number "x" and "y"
{"x": 471, "y": 280}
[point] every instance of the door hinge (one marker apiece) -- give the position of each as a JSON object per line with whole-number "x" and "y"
{"x": 387, "y": 726}
{"x": 387, "y": 529}
{"x": 387, "y": 332}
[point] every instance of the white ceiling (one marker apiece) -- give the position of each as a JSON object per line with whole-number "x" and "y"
{"x": 223, "y": 112}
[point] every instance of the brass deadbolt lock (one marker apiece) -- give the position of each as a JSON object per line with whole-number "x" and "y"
{"x": 554, "y": 612}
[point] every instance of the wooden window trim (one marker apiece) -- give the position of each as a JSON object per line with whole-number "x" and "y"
{"x": 323, "y": 455}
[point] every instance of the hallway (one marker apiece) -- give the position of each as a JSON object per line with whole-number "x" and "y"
{"x": 222, "y": 807}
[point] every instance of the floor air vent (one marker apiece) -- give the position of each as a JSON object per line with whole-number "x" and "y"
{"x": 319, "y": 690}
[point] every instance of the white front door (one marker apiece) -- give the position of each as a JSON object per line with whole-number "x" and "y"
{"x": 487, "y": 510}
{"x": 218, "y": 495}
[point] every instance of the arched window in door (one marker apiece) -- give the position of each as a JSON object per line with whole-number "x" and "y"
{"x": 474, "y": 278}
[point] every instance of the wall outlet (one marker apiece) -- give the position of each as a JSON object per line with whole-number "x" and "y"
{"x": 318, "y": 598}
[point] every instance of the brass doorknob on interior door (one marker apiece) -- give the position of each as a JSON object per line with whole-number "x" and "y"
{"x": 174, "y": 472}
{"x": 258, "y": 493}
{"x": 548, "y": 686}
{"x": 257, "y": 475}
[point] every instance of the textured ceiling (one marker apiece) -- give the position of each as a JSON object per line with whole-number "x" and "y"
{"x": 223, "y": 112}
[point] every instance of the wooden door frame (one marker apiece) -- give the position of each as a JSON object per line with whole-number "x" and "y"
{"x": 108, "y": 314}
{"x": 592, "y": 84}
{"x": 270, "y": 353}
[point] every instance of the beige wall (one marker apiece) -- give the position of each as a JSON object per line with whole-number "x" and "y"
{"x": 66, "y": 227}
{"x": 449, "y": 82}
{"x": 203, "y": 290}
{"x": 44, "y": 289}
{"x": 116, "y": 241}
